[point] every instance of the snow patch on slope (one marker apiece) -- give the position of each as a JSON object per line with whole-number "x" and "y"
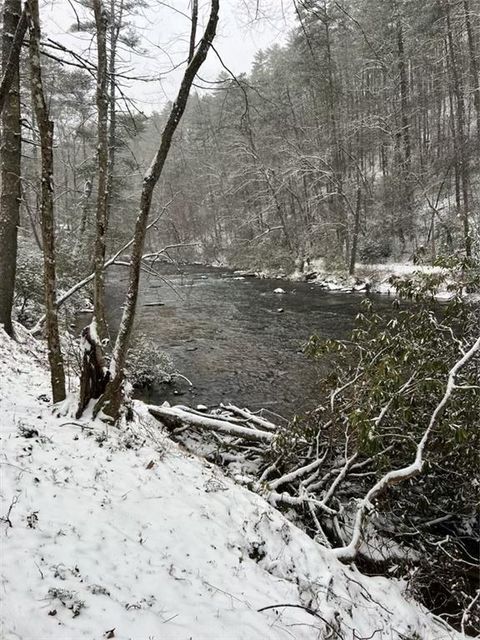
{"x": 125, "y": 535}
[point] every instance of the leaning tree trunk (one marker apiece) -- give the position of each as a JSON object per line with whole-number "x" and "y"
{"x": 45, "y": 127}
{"x": 10, "y": 154}
{"x": 112, "y": 400}
{"x": 102, "y": 100}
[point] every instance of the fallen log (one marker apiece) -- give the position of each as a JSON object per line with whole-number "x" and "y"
{"x": 177, "y": 416}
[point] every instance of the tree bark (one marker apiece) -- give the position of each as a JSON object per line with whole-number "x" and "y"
{"x": 10, "y": 69}
{"x": 10, "y": 157}
{"x": 102, "y": 100}
{"x": 94, "y": 374}
{"x": 45, "y": 127}
{"x": 112, "y": 400}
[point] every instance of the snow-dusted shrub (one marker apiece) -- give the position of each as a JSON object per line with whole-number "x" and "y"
{"x": 147, "y": 364}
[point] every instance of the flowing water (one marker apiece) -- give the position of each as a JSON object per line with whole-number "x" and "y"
{"x": 235, "y": 339}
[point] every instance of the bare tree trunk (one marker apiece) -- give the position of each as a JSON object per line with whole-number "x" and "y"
{"x": 337, "y": 153}
{"x": 193, "y": 30}
{"x": 115, "y": 25}
{"x": 32, "y": 217}
{"x": 111, "y": 401}
{"x": 45, "y": 126}
{"x": 356, "y": 229}
{"x": 10, "y": 156}
{"x": 102, "y": 100}
{"x": 405, "y": 224}
{"x": 461, "y": 143}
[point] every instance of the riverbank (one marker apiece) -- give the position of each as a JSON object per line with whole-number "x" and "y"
{"x": 119, "y": 533}
{"x": 368, "y": 278}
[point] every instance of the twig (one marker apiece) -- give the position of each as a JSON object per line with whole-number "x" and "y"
{"x": 6, "y": 518}
{"x": 466, "y": 613}
{"x": 307, "y": 609}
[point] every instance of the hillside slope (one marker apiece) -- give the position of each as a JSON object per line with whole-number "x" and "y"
{"x": 124, "y": 535}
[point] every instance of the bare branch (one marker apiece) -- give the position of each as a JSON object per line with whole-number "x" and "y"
{"x": 82, "y": 283}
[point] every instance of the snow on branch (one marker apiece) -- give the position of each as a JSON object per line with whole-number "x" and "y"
{"x": 251, "y": 417}
{"x": 298, "y": 473}
{"x": 156, "y": 254}
{"x": 396, "y": 476}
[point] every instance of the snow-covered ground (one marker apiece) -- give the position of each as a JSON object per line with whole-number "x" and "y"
{"x": 125, "y": 535}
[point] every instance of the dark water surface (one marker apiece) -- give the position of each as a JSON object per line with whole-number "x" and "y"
{"x": 229, "y": 338}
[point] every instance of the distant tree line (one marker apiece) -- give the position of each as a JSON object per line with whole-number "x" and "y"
{"x": 358, "y": 140}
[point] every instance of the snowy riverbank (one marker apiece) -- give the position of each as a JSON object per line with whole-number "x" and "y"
{"x": 368, "y": 278}
{"x": 122, "y": 534}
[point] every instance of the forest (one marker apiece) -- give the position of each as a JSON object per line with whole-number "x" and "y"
{"x": 239, "y": 322}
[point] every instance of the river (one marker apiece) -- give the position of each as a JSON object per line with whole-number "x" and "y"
{"x": 235, "y": 339}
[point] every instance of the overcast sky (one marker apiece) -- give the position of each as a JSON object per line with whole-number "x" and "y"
{"x": 245, "y": 26}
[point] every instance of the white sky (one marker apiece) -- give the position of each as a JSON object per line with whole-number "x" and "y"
{"x": 245, "y": 26}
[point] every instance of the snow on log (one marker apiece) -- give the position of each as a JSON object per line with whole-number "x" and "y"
{"x": 177, "y": 415}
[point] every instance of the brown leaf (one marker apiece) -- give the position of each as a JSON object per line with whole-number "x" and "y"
{"x": 150, "y": 464}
